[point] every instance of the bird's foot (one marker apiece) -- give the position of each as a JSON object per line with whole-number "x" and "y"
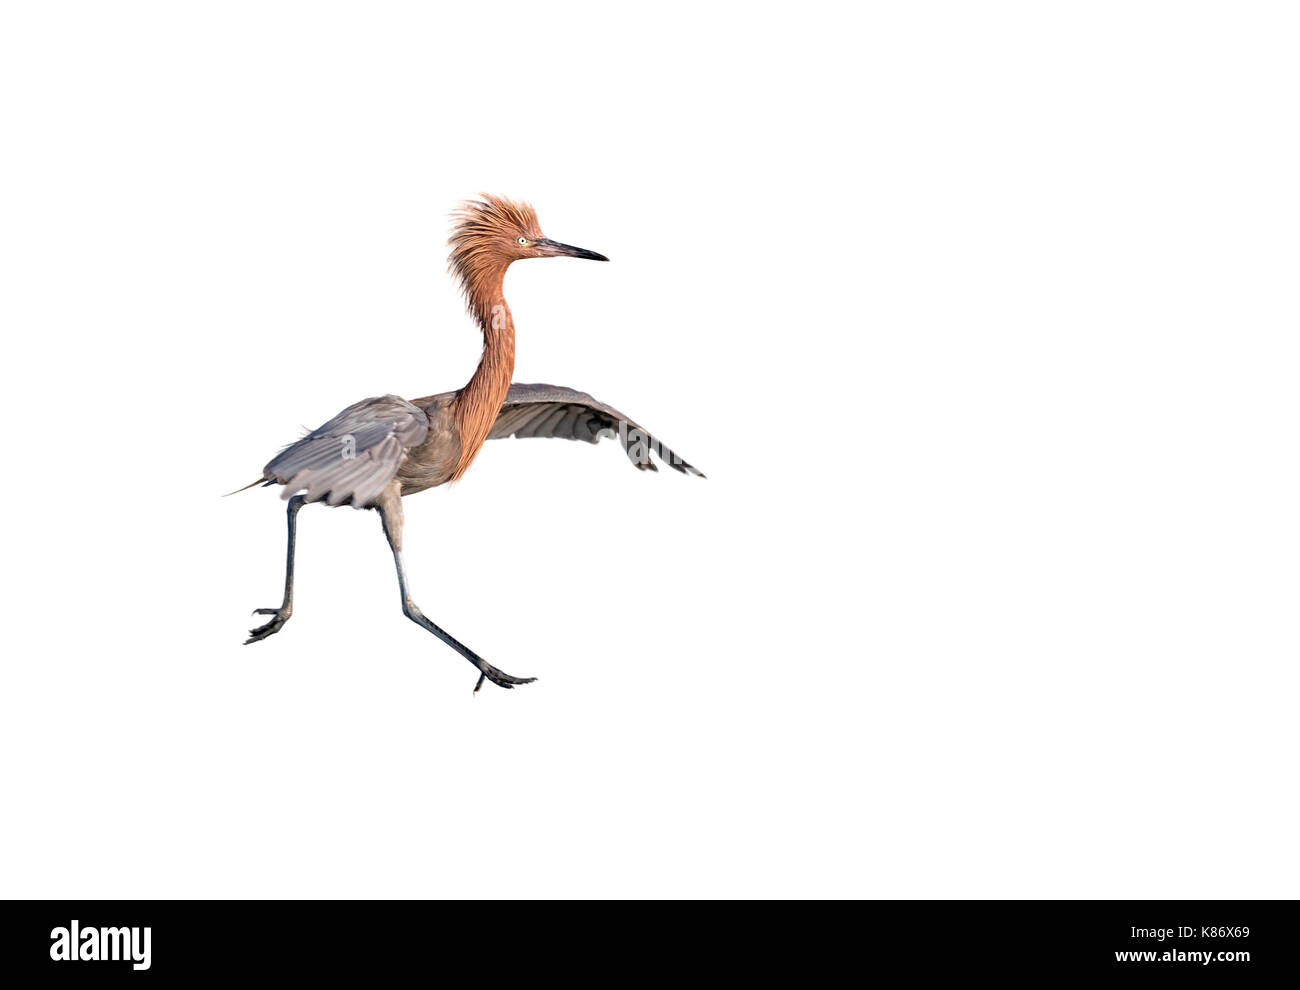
{"x": 281, "y": 616}
{"x": 498, "y": 677}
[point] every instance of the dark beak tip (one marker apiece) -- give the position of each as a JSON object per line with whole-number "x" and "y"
{"x": 556, "y": 249}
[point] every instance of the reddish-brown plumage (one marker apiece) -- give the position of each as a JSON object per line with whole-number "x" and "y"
{"x": 484, "y": 241}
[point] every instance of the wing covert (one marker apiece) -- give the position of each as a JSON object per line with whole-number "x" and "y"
{"x": 353, "y": 456}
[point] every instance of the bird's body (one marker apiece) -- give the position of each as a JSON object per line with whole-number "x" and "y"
{"x": 378, "y": 450}
{"x": 420, "y": 442}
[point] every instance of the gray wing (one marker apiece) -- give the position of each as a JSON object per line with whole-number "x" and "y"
{"x": 554, "y": 411}
{"x": 354, "y": 455}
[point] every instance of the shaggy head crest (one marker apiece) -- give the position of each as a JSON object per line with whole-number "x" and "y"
{"x": 485, "y": 239}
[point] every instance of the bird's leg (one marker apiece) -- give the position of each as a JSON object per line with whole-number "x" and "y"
{"x": 281, "y": 614}
{"x": 390, "y": 511}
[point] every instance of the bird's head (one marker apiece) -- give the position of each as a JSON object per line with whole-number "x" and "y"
{"x": 488, "y": 234}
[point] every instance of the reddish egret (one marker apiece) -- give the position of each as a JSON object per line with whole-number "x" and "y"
{"x": 378, "y": 450}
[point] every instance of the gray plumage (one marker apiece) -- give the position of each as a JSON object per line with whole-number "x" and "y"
{"x": 553, "y": 411}
{"x": 353, "y": 456}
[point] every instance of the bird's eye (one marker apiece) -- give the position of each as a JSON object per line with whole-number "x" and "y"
{"x": 523, "y": 241}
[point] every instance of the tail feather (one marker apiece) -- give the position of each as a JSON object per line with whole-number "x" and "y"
{"x": 260, "y": 481}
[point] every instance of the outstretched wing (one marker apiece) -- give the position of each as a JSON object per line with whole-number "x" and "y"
{"x": 354, "y": 455}
{"x": 553, "y": 411}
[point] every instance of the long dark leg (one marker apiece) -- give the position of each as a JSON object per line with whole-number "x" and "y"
{"x": 285, "y": 610}
{"x": 390, "y": 511}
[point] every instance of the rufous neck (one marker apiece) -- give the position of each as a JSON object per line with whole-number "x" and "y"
{"x": 479, "y": 402}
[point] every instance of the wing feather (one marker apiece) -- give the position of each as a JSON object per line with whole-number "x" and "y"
{"x": 555, "y": 411}
{"x": 353, "y": 456}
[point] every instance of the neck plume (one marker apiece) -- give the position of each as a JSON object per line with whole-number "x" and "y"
{"x": 478, "y": 403}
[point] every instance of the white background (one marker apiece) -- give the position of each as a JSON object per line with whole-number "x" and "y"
{"x": 980, "y": 318}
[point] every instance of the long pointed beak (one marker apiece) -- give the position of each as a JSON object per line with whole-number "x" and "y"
{"x": 554, "y": 249}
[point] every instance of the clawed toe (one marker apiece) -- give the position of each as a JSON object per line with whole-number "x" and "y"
{"x": 272, "y": 627}
{"x": 499, "y": 677}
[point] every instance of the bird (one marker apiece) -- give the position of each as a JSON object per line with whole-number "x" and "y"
{"x": 377, "y": 451}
